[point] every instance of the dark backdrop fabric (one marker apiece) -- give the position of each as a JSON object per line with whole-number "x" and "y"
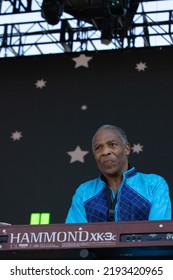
{"x": 36, "y": 172}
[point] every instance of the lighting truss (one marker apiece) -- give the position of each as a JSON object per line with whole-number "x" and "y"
{"x": 23, "y": 31}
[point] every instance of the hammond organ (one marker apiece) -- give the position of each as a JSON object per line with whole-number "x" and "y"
{"x": 120, "y": 240}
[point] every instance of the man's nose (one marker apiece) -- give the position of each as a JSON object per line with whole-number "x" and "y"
{"x": 106, "y": 150}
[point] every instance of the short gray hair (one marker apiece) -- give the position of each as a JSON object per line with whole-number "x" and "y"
{"x": 116, "y": 128}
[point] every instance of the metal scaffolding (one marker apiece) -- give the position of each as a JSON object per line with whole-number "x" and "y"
{"x": 83, "y": 26}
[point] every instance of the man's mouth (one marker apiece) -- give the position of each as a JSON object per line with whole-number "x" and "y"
{"x": 108, "y": 162}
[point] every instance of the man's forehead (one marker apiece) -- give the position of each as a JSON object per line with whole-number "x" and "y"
{"x": 106, "y": 133}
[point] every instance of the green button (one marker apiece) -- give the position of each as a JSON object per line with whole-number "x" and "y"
{"x": 35, "y": 218}
{"x": 40, "y": 219}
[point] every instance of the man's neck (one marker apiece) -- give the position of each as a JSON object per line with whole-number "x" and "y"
{"x": 114, "y": 182}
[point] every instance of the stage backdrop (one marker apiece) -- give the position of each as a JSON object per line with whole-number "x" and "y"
{"x": 51, "y": 105}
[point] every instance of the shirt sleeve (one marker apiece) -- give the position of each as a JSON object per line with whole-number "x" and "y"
{"x": 77, "y": 213}
{"x": 161, "y": 208}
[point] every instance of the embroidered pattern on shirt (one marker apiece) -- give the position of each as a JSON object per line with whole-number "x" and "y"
{"x": 132, "y": 206}
{"x": 97, "y": 208}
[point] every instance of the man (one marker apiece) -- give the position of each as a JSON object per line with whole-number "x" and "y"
{"x": 120, "y": 193}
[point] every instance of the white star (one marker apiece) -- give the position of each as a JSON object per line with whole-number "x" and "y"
{"x": 141, "y": 66}
{"x": 40, "y": 83}
{"x": 16, "y": 135}
{"x": 84, "y": 107}
{"x": 82, "y": 60}
{"x": 77, "y": 155}
{"x": 137, "y": 148}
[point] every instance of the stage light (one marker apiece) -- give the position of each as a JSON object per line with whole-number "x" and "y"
{"x": 118, "y": 7}
{"x": 106, "y": 32}
{"x": 52, "y": 10}
{"x": 114, "y": 12}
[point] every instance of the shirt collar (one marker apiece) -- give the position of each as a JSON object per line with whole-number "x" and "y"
{"x": 127, "y": 174}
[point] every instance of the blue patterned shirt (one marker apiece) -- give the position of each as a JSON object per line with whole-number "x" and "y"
{"x": 140, "y": 197}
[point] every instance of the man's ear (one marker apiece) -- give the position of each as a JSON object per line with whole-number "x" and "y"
{"x": 128, "y": 149}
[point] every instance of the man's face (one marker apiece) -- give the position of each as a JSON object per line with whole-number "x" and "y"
{"x": 110, "y": 153}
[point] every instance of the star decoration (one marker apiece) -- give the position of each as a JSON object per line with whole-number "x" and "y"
{"x": 84, "y": 107}
{"x": 141, "y": 66}
{"x": 40, "y": 83}
{"x": 77, "y": 155}
{"x": 82, "y": 60}
{"x": 137, "y": 148}
{"x": 16, "y": 135}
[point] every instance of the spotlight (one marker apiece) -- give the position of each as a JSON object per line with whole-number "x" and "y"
{"x": 107, "y": 29}
{"x": 114, "y": 13}
{"x": 118, "y": 7}
{"x": 52, "y": 10}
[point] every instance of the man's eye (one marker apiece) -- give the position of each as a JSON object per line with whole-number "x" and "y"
{"x": 113, "y": 144}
